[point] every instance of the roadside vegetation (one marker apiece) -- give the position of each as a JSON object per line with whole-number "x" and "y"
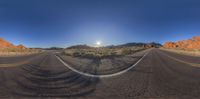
{"x": 101, "y": 52}
{"x": 183, "y": 51}
{"x": 14, "y": 51}
{"x": 102, "y": 60}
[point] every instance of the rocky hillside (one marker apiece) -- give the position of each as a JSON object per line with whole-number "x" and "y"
{"x": 190, "y": 44}
{"x": 5, "y": 45}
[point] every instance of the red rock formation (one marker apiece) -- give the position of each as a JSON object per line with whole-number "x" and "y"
{"x": 190, "y": 44}
{"x": 21, "y": 46}
{"x": 170, "y": 45}
{"x": 5, "y": 44}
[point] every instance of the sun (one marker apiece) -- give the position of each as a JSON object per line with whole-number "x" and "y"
{"x": 98, "y": 43}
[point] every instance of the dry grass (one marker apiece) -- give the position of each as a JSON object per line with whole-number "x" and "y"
{"x": 101, "y": 52}
{"x": 185, "y": 52}
{"x": 17, "y": 52}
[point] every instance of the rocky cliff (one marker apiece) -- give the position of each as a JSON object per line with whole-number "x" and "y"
{"x": 5, "y": 44}
{"x": 190, "y": 44}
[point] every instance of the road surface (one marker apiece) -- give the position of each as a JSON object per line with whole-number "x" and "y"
{"x": 159, "y": 74}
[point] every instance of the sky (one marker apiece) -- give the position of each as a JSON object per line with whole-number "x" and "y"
{"x": 62, "y": 23}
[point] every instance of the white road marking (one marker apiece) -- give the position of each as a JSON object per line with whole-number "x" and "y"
{"x": 100, "y": 76}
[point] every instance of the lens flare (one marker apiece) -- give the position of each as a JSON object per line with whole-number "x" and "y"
{"x": 98, "y": 43}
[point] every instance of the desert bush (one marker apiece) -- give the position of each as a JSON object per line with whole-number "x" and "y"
{"x": 14, "y": 51}
{"x": 76, "y": 54}
{"x": 126, "y": 51}
{"x": 101, "y": 52}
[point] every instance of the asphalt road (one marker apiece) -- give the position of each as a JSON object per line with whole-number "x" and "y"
{"x": 159, "y": 74}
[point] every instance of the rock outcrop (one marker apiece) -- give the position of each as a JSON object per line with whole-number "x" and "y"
{"x": 190, "y": 44}
{"x": 5, "y": 44}
{"x": 21, "y": 46}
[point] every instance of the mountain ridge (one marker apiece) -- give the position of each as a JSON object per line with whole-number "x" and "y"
{"x": 132, "y": 44}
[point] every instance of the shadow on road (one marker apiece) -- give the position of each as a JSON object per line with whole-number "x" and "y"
{"x": 40, "y": 81}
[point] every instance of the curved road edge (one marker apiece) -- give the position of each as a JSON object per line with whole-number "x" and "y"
{"x": 101, "y": 76}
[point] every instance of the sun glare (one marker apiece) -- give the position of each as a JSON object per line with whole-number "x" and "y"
{"x": 98, "y": 43}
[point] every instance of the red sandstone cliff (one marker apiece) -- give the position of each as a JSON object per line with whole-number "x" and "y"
{"x": 190, "y": 44}
{"x": 5, "y": 44}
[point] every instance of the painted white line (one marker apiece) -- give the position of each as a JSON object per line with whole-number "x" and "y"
{"x": 100, "y": 76}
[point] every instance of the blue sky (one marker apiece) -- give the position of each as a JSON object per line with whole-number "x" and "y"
{"x": 46, "y": 23}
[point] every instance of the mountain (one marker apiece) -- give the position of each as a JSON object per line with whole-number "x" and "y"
{"x": 53, "y": 48}
{"x": 79, "y": 47}
{"x": 189, "y": 44}
{"x": 146, "y": 45}
{"x": 5, "y": 44}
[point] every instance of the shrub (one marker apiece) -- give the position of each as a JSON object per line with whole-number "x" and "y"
{"x": 101, "y": 52}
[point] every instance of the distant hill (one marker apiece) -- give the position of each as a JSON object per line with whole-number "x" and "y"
{"x": 5, "y": 44}
{"x": 146, "y": 45}
{"x": 189, "y": 44}
{"x": 53, "y": 48}
{"x": 21, "y": 46}
{"x": 79, "y": 47}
